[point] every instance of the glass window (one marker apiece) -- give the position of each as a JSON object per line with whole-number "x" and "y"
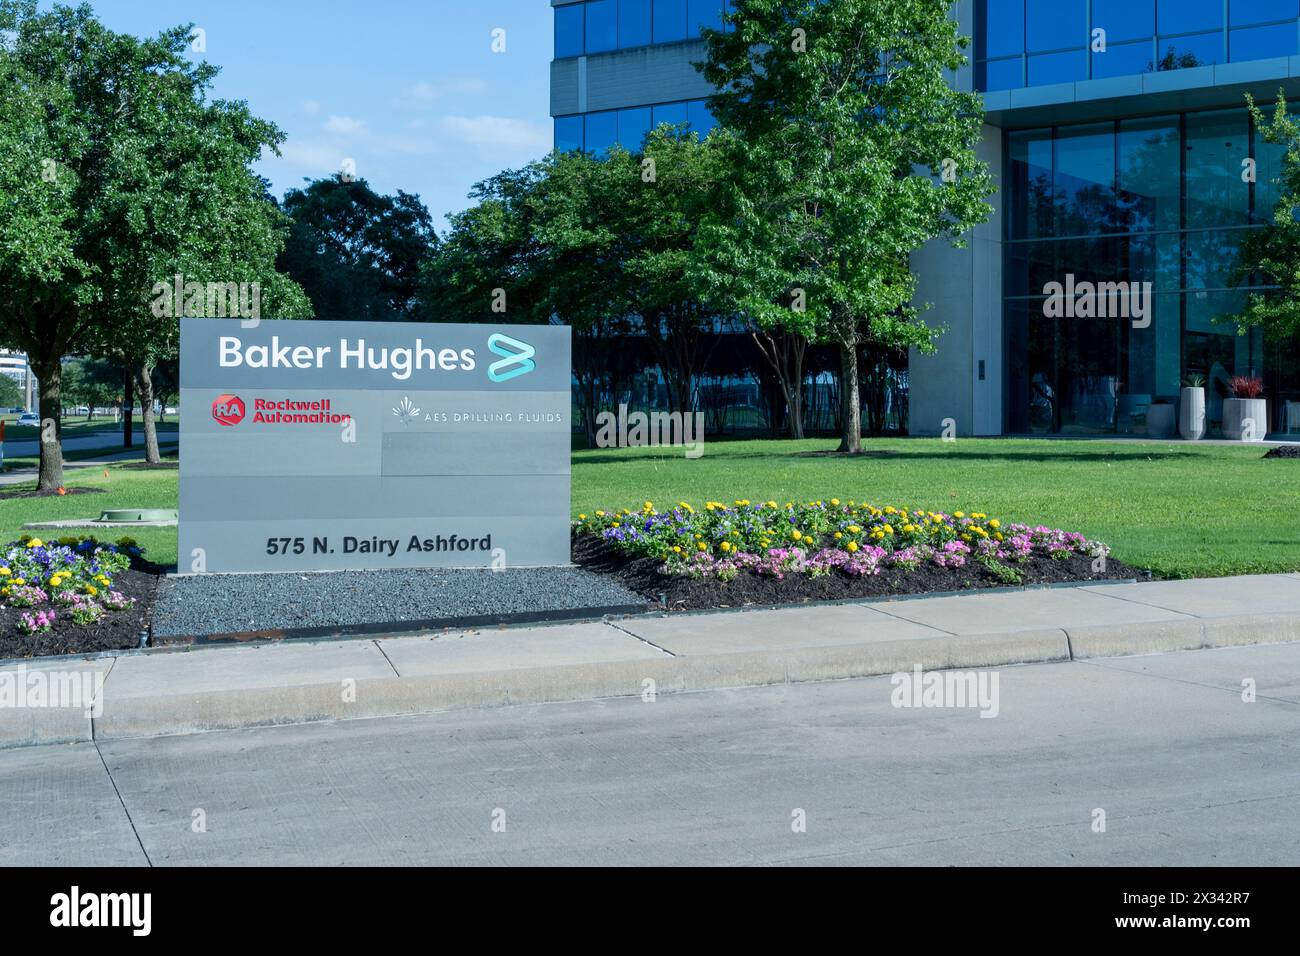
{"x": 568, "y": 133}
{"x": 670, "y": 20}
{"x": 1125, "y": 19}
{"x": 701, "y": 14}
{"x": 1001, "y": 28}
{"x": 1217, "y": 142}
{"x": 602, "y": 25}
{"x": 1085, "y": 179}
{"x": 698, "y": 115}
{"x": 602, "y": 131}
{"x": 1003, "y": 74}
{"x": 1189, "y": 16}
{"x": 1262, "y": 43}
{"x": 1123, "y": 59}
{"x": 673, "y": 114}
{"x": 1150, "y": 156}
{"x": 633, "y": 124}
{"x": 1182, "y": 53}
{"x": 1045, "y": 68}
{"x": 568, "y": 31}
{"x": 1242, "y": 12}
{"x": 1029, "y": 179}
{"x": 633, "y": 23}
{"x": 1054, "y": 25}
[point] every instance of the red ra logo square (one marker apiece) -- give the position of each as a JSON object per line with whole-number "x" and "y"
{"x": 228, "y": 409}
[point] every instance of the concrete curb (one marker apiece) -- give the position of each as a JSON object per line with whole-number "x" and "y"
{"x": 166, "y": 715}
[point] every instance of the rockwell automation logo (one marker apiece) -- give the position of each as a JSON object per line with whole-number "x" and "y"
{"x": 229, "y": 410}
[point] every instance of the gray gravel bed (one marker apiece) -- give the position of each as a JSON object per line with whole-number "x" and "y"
{"x": 213, "y": 604}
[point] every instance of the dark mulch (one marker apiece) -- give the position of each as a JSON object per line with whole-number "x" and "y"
{"x": 1284, "y": 451}
{"x": 33, "y": 493}
{"x": 145, "y": 466}
{"x": 644, "y": 575}
{"x": 115, "y": 631}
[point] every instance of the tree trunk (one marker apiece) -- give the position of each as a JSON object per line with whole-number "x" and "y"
{"x": 49, "y": 374}
{"x": 784, "y": 352}
{"x": 851, "y": 415}
{"x": 144, "y": 386}
{"x": 128, "y": 403}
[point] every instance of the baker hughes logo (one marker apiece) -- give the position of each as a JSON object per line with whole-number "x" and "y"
{"x": 517, "y": 358}
{"x": 229, "y": 410}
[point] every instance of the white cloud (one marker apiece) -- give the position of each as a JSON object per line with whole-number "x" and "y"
{"x": 423, "y": 94}
{"x": 346, "y": 126}
{"x": 495, "y": 131}
{"x": 311, "y": 156}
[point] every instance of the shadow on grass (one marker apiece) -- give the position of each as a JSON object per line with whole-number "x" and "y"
{"x": 1079, "y": 456}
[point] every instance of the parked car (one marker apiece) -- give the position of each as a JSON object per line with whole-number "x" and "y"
{"x": 29, "y": 418}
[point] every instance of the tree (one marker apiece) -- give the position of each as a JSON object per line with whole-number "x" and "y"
{"x": 357, "y": 254}
{"x": 92, "y": 382}
{"x": 849, "y": 151}
{"x": 119, "y": 173}
{"x": 11, "y": 394}
{"x": 1270, "y": 255}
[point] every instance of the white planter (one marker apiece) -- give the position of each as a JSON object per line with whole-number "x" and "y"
{"x": 1245, "y": 419}
{"x": 1162, "y": 420}
{"x": 1191, "y": 414}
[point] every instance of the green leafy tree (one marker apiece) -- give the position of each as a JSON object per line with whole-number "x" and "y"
{"x": 849, "y": 151}
{"x": 93, "y": 382}
{"x": 1270, "y": 256}
{"x": 118, "y": 173}
{"x": 357, "y": 254}
{"x": 11, "y": 393}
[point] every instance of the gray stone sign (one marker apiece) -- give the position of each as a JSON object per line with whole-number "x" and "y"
{"x": 312, "y": 446}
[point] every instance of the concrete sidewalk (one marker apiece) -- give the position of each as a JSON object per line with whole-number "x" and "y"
{"x": 165, "y": 692}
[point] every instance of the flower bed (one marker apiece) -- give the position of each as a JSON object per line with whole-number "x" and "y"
{"x": 770, "y": 551}
{"x": 72, "y": 595}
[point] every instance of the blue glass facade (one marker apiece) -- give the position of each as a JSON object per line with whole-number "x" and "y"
{"x": 598, "y": 131}
{"x": 1021, "y": 43}
{"x": 599, "y": 26}
{"x": 1159, "y": 200}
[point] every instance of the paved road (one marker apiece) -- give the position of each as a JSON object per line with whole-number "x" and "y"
{"x": 1185, "y": 770}
{"x": 28, "y": 447}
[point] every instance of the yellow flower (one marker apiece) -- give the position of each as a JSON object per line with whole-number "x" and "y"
{"x": 835, "y": 502}
{"x": 959, "y": 514}
{"x": 796, "y": 535}
{"x": 5, "y": 572}
{"x": 582, "y": 517}
{"x": 701, "y": 547}
{"x": 615, "y": 524}
{"x": 995, "y": 524}
{"x": 91, "y": 590}
{"x": 20, "y": 581}
{"x": 35, "y": 543}
{"x": 838, "y": 535}
{"x": 852, "y": 546}
{"x": 854, "y": 529}
{"x": 600, "y": 514}
{"x": 677, "y": 549}
{"x": 725, "y": 546}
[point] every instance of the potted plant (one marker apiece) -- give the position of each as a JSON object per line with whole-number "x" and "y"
{"x": 1245, "y": 414}
{"x": 1162, "y": 418}
{"x": 1191, "y": 417}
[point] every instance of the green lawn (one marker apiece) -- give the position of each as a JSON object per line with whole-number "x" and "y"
{"x": 124, "y": 488}
{"x": 1181, "y": 509}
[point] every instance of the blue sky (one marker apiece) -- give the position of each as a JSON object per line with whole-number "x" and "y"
{"x": 408, "y": 89}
